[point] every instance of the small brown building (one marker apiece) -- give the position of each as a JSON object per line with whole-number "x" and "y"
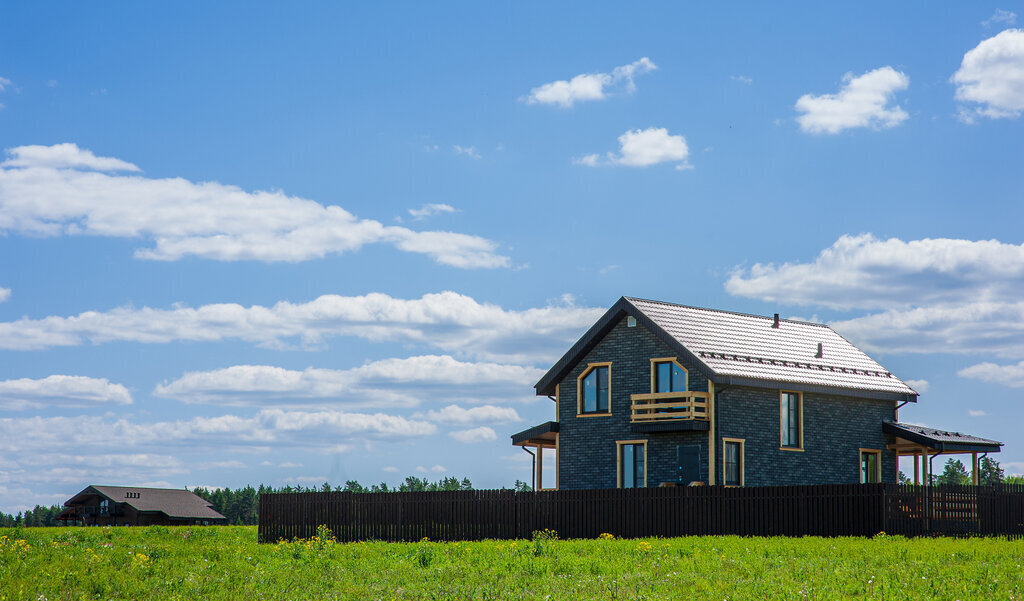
{"x": 136, "y": 506}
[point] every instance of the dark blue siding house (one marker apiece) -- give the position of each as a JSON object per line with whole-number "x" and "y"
{"x": 659, "y": 394}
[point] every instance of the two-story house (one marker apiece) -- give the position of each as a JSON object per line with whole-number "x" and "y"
{"x": 663, "y": 394}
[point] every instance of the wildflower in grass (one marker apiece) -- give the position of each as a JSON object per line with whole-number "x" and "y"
{"x": 606, "y": 536}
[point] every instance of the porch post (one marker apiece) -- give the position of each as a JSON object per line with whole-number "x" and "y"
{"x": 917, "y": 468}
{"x": 540, "y": 467}
{"x": 974, "y": 468}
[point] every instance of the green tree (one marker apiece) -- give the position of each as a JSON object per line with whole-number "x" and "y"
{"x": 954, "y": 473}
{"x": 989, "y": 472}
{"x": 902, "y": 478}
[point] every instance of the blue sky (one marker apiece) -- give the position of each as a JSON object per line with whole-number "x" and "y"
{"x": 248, "y": 244}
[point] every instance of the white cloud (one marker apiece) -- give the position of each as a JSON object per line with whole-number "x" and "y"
{"x": 469, "y": 151}
{"x": 431, "y": 209}
{"x": 643, "y": 148}
{"x": 305, "y": 480}
{"x": 390, "y": 469}
{"x": 454, "y": 414}
{"x": 1001, "y": 16}
{"x": 865, "y": 272}
{"x": 741, "y": 79}
{"x": 472, "y": 435}
{"x": 63, "y": 190}
{"x": 5, "y": 293}
{"x": 4, "y": 82}
{"x": 589, "y": 86}
{"x": 390, "y": 382}
{"x": 921, "y": 386}
{"x": 421, "y": 469}
{"x": 862, "y": 102}
{"x": 297, "y": 429}
{"x": 450, "y": 321}
{"x": 61, "y": 391}
{"x": 992, "y": 76}
{"x": 438, "y": 468}
{"x": 938, "y": 295}
{"x": 289, "y": 465}
{"x": 1007, "y": 375}
{"x": 232, "y": 464}
{"x": 976, "y": 413}
{"x": 63, "y": 156}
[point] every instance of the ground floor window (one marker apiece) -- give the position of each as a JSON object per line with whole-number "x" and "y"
{"x": 870, "y": 466}
{"x": 732, "y": 461}
{"x": 632, "y": 462}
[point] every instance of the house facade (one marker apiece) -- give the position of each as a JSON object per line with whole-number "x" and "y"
{"x": 663, "y": 394}
{"x": 138, "y": 506}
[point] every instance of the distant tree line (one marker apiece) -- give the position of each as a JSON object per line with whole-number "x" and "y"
{"x": 955, "y": 472}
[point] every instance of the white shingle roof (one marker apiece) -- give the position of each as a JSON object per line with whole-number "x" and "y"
{"x": 734, "y": 344}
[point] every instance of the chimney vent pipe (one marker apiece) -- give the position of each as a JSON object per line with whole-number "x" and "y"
{"x": 776, "y": 324}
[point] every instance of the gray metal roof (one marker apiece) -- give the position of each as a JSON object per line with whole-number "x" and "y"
{"x": 942, "y": 440}
{"x": 735, "y": 344}
{"x": 740, "y": 349}
{"x": 175, "y": 503}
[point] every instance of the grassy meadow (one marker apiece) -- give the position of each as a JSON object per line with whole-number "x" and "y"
{"x": 226, "y": 563}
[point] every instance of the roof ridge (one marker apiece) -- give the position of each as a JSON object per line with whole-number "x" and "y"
{"x": 740, "y": 313}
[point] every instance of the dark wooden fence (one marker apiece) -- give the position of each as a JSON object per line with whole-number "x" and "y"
{"x": 826, "y": 510}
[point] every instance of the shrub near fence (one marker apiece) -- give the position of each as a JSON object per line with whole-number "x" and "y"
{"x": 825, "y": 510}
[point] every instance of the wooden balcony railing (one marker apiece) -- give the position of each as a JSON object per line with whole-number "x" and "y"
{"x": 661, "y": 406}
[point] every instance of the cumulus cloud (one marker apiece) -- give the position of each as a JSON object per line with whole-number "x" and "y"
{"x": 449, "y": 321}
{"x": 61, "y": 391}
{"x": 643, "y": 148}
{"x": 936, "y": 295}
{"x": 976, "y": 413}
{"x": 4, "y": 82}
{"x": 390, "y": 382}
{"x": 431, "y": 209}
{"x": 296, "y": 429}
{"x": 1007, "y": 375}
{"x": 454, "y": 414}
{"x": 991, "y": 77}
{"x": 474, "y": 435}
{"x": 866, "y": 272}
{"x": 64, "y": 190}
{"x": 436, "y": 469}
{"x": 5, "y": 293}
{"x": 863, "y": 101}
{"x": 589, "y": 86}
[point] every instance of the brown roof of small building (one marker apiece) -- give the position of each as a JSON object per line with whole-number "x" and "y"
{"x": 175, "y": 503}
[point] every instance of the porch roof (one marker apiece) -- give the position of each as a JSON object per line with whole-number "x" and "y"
{"x": 543, "y": 435}
{"x": 942, "y": 441}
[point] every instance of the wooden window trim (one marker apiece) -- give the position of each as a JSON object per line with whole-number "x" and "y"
{"x": 878, "y": 464}
{"x": 783, "y": 424}
{"x": 579, "y": 390}
{"x": 656, "y": 360}
{"x": 618, "y": 460}
{"x": 743, "y": 461}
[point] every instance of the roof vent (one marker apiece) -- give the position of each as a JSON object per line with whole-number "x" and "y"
{"x": 776, "y": 323}
{"x": 821, "y": 352}
{"x": 630, "y": 322}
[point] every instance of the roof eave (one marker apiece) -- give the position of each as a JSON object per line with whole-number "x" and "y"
{"x": 861, "y": 393}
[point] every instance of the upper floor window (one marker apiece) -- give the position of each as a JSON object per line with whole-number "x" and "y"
{"x": 791, "y": 420}
{"x": 870, "y": 466}
{"x": 632, "y": 463}
{"x": 668, "y": 376}
{"x": 594, "y": 389}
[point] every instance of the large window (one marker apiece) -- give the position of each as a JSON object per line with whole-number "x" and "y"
{"x": 632, "y": 463}
{"x": 791, "y": 420}
{"x": 732, "y": 461}
{"x": 870, "y": 466}
{"x": 668, "y": 376}
{"x": 594, "y": 389}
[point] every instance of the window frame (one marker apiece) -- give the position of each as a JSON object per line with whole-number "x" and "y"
{"x": 579, "y": 390}
{"x": 654, "y": 372}
{"x": 742, "y": 442}
{"x": 878, "y": 465}
{"x": 618, "y": 460}
{"x": 784, "y": 421}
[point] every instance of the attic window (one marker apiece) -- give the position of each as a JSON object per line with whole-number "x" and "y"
{"x": 630, "y": 321}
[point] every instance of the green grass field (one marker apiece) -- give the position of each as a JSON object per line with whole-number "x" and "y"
{"x": 226, "y": 563}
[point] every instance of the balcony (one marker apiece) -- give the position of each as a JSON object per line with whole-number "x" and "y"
{"x": 669, "y": 411}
